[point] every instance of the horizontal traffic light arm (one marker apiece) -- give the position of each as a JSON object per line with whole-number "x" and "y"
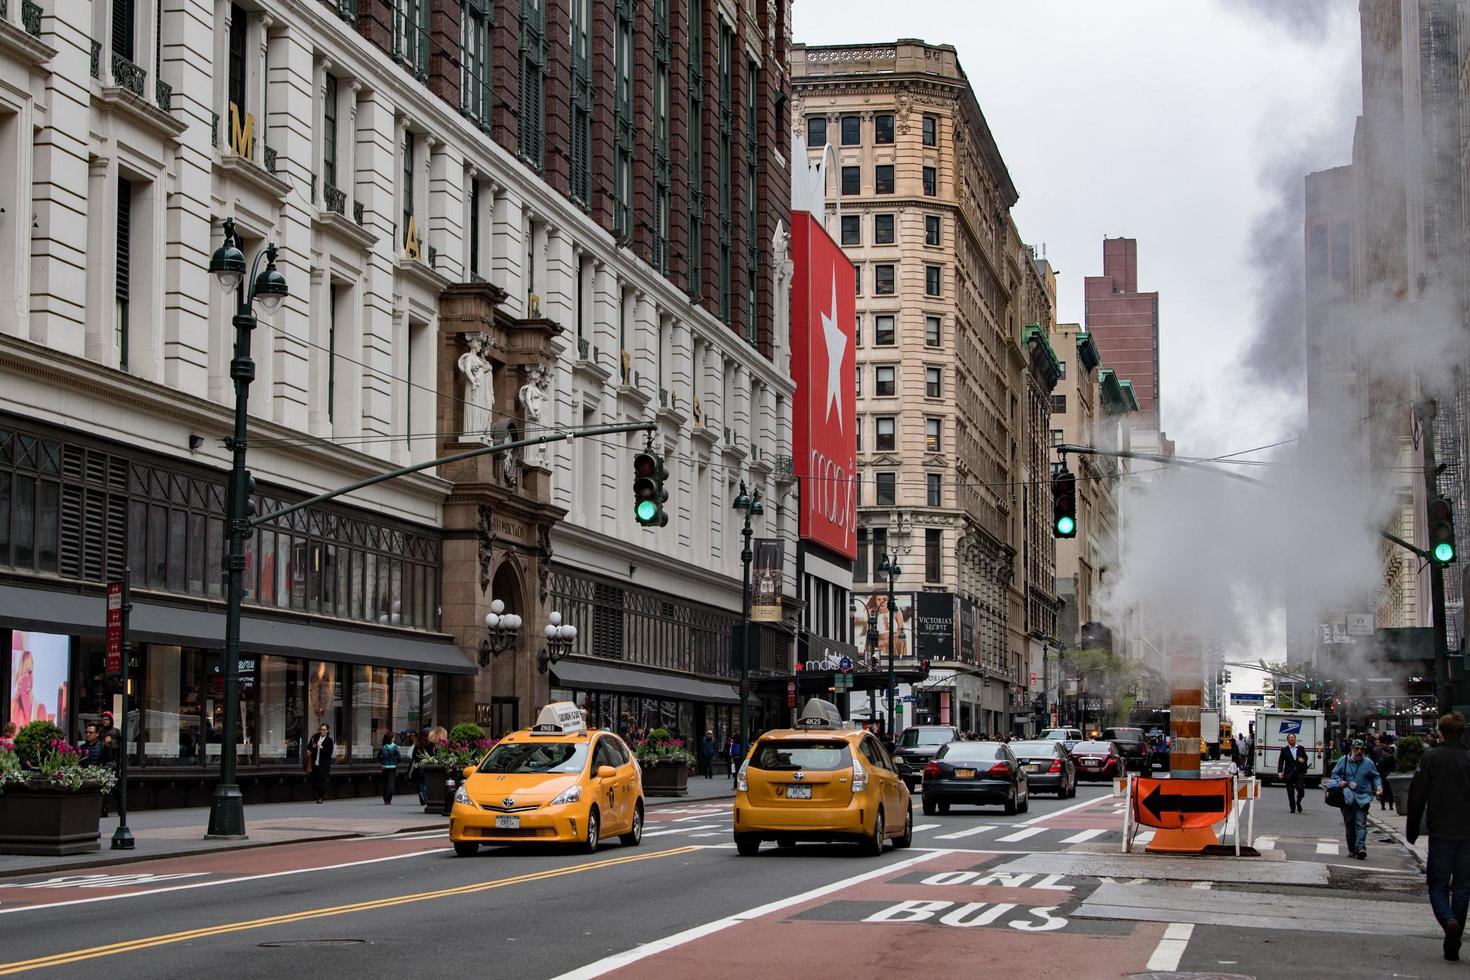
{"x": 1066, "y": 448}
{"x": 499, "y": 447}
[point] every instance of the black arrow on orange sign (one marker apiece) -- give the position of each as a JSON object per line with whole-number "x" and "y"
{"x": 1158, "y": 803}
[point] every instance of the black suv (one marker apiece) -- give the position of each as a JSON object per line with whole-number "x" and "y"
{"x": 1134, "y": 745}
{"x": 917, "y": 746}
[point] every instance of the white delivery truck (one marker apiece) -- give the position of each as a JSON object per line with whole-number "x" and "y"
{"x": 1272, "y": 727}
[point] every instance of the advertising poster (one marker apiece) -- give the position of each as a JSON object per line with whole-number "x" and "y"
{"x": 765, "y": 581}
{"x": 39, "y": 666}
{"x": 934, "y": 625}
{"x": 967, "y": 631}
{"x": 903, "y": 621}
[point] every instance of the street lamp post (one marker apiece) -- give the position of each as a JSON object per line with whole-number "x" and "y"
{"x": 889, "y": 566}
{"x": 501, "y": 629}
{"x": 226, "y": 808}
{"x": 753, "y": 507}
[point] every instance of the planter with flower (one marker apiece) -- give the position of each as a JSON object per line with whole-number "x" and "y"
{"x": 467, "y": 745}
{"x": 665, "y": 763}
{"x": 50, "y": 803}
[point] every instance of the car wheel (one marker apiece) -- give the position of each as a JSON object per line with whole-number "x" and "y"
{"x": 873, "y": 846}
{"x": 594, "y": 828}
{"x": 466, "y": 848}
{"x": 907, "y": 839}
{"x": 1025, "y": 802}
{"x": 635, "y": 835}
{"x": 930, "y": 808}
{"x": 1011, "y": 803}
{"x": 746, "y": 845}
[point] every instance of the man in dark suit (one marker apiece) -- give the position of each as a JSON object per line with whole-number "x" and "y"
{"x": 1291, "y": 766}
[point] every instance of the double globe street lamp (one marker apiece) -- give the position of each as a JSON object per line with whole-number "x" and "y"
{"x": 268, "y": 290}
{"x": 501, "y": 630}
{"x": 559, "y": 639}
{"x": 753, "y": 506}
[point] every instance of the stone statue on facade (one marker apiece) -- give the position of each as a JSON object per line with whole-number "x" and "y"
{"x": 533, "y": 401}
{"x": 479, "y": 390}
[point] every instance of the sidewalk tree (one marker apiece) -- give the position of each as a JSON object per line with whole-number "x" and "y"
{"x": 1103, "y": 673}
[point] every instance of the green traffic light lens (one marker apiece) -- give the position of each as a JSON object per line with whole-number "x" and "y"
{"x": 647, "y": 510}
{"x": 1444, "y": 553}
{"x": 1066, "y": 525}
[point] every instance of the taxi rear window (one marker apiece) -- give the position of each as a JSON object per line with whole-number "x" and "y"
{"x": 784, "y": 756}
{"x": 511, "y": 757}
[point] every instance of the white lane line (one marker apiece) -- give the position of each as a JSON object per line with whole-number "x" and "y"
{"x": 1143, "y": 838}
{"x": 927, "y": 826}
{"x": 968, "y": 833}
{"x": 679, "y": 830}
{"x": 1265, "y": 843}
{"x": 1203, "y": 886}
{"x": 1083, "y": 836}
{"x": 1170, "y": 949}
{"x": 619, "y": 960}
{"x": 1331, "y": 849}
{"x": 1021, "y": 834}
{"x": 1069, "y": 809}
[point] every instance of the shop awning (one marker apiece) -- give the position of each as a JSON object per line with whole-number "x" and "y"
{"x": 584, "y": 675}
{"x": 57, "y": 611}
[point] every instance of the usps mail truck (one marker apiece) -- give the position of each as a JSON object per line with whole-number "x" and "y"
{"x": 1272, "y": 727}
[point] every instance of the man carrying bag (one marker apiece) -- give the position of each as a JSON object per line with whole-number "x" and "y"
{"x": 1356, "y": 777}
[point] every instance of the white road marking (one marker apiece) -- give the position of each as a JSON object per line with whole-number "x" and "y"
{"x": 679, "y": 830}
{"x": 1265, "y": 843}
{"x": 1203, "y": 886}
{"x": 1143, "y": 838}
{"x": 927, "y": 826}
{"x": 1022, "y": 834}
{"x": 619, "y": 960}
{"x": 1083, "y": 836}
{"x": 1332, "y": 849}
{"x": 109, "y": 881}
{"x": 1170, "y": 950}
{"x": 1069, "y": 809}
{"x": 968, "y": 833}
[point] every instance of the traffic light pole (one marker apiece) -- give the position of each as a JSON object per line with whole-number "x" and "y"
{"x": 1427, "y": 410}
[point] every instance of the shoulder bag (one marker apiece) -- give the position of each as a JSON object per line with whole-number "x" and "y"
{"x": 1336, "y": 797}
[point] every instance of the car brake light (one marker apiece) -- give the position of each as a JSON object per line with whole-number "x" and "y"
{"x": 859, "y": 777}
{"x": 1000, "y": 769}
{"x": 742, "y": 783}
{"x": 932, "y": 769}
{"x": 1056, "y": 765}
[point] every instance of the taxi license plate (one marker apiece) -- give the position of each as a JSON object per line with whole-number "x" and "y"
{"x": 798, "y": 792}
{"x": 964, "y": 774}
{"x": 508, "y": 823}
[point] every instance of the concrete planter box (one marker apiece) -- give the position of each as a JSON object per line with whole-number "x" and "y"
{"x": 51, "y": 822}
{"x": 1400, "y": 783}
{"x": 666, "y": 779}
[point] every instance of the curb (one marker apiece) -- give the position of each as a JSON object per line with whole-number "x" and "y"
{"x": 1399, "y": 838}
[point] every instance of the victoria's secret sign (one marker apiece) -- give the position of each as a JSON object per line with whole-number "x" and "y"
{"x": 824, "y": 366}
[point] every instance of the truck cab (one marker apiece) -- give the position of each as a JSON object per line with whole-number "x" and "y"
{"x": 1272, "y": 727}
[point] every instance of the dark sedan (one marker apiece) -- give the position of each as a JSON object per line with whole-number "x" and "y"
{"x": 916, "y": 746}
{"x": 1049, "y": 767}
{"x": 975, "y": 774}
{"x": 1097, "y": 760}
{"x": 1134, "y": 746}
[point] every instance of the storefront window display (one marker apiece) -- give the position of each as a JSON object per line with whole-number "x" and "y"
{"x": 324, "y": 702}
{"x": 282, "y": 708}
{"x": 370, "y": 716}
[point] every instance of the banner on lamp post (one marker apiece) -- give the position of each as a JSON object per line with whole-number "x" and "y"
{"x": 765, "y": 585}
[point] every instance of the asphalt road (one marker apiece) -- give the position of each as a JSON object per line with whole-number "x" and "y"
{"x": 685, "y": 902}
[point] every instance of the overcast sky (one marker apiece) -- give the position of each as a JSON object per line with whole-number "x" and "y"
{"x": 1187, "y": 124}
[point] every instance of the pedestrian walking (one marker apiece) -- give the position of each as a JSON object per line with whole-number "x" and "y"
{"x": 707, "y": 751}
{"x": 388, "y": 762}
{"x": 732, "y": 749}
{"x": 319, "y": 760}
{"x": 1439, "y": 802}
{"x": 1358, "y": 778}
{"x": 1387, "y": 763}
{"x": 422, "y": 749}
{"x": 1291, "y": 766}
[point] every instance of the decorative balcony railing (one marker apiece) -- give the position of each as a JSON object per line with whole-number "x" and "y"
{"x": 357, "y": 212}
{"x": 347, "y": 10}
{"x": 164, "y": 94}
{"x": 433, "y": 257}
{"x": 97, "y": 59}
{"x": 336, "y": 199}
{"x": 30, "y": 17}
{"x": 270, "y": 158}
{"x": 584, "y": 348}
{"x": 128, "y": 75}
{"x": 4, "y": 9}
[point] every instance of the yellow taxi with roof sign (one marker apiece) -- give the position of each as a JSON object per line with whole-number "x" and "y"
{"x": 821, "y": 781}
{"x": 556, "y": 782}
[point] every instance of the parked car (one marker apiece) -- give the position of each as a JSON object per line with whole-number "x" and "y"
{"x": 975, "y": 774}
{"x": 1097, "y": 760}
{"x": 916, "y": 746}
{"x": 1134, "y": 745}
{"x": 1048, "y": 766}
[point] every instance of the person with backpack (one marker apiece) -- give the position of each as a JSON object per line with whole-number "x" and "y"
{"x": 1357, "y": 778}
{"x": 1439, "y": 802}
{"x": 388, "y": 762}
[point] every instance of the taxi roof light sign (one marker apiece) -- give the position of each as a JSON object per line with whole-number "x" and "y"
{"x": 820, "y": 714}
{"x": 560, "y": 718}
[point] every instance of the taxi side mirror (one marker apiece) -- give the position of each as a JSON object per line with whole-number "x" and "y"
{"x": 606, "y": 772}
{"x": 470, "y": 771}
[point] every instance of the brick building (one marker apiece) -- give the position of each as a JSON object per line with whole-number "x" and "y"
{"x": 1125, "y": 324}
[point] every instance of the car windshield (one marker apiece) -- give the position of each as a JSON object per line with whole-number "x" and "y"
{"x": 1091, "y": 748}
{"x": 924, "y": 736}
{"x": 784, "y": 756}
{"x": 1034, "y": 748}
{"x": 1123, "y": 734}
{"x": 517, "y": 757}
{"x": 970, "y": 751}
{"x": 1056, "y": 734}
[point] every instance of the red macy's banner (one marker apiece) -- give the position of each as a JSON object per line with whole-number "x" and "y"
{"x": 824, "y": 366}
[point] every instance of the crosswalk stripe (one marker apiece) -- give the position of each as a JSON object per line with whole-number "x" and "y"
{"x": 1084, "y": 836}
{"x": 968, "y": 833}
{"x": 1022, "y": 834}
{"x": 1265, "y": 843}
{"x": 927, "y": 826}
{"x": 677, "y": 830}
{"x": 1143, "y": 838}
{"x": 1332, "y": 849}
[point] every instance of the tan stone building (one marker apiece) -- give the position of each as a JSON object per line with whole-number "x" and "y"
{"x": 922, "y": 205}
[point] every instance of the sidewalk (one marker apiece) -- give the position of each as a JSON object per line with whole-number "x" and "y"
{"x": 180, "y": 832}
{"x": 1390, "y": 824}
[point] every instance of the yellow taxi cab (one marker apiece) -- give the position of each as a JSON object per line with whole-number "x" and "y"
{"x": 821, "y": 781}
{"x": 555, "y": 782}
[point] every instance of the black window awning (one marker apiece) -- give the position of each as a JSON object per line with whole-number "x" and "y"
{"x": 584, "y": 675}
{"x": 60, "y": 611}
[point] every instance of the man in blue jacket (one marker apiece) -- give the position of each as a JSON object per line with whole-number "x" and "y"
{"x": 1439, "y": 797}
{"x": 1360, "y": 782}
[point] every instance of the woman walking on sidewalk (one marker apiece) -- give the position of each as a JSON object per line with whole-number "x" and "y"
{"x": 388, "y": 761}
{"x": 1360, "y": 782}
{"x": 319, "y": 760}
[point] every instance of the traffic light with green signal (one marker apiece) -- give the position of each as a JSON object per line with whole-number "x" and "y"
{"x": 649, "y": 495}
{"x": 1441, "y": 531}
{"x": 1064, "y": 504}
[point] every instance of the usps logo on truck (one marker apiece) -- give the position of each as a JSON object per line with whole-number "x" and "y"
{"x": 1290, "y": 726}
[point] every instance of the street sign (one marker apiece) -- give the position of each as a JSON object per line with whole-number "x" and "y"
{"x": 1033, "y": 678}
{"x": 1175, "y": 804}
{"x": 791, "y": 694}
{"x": 1237, "y": 697}
{"x": 1360, "y": 624}
{"x": 114, "y": 627}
